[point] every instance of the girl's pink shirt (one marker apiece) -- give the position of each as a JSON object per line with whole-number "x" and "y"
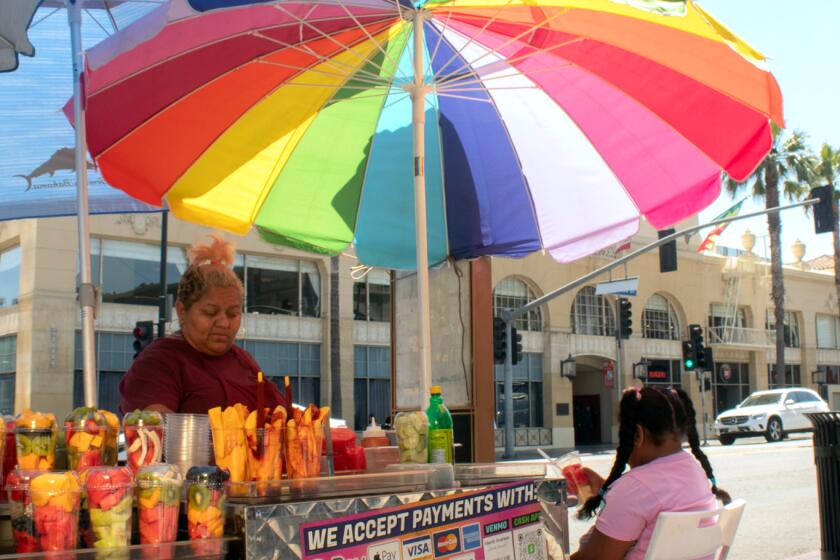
{"x": 675, "y": 482}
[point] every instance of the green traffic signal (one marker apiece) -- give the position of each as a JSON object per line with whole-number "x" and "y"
{"x": 689, "y": 364}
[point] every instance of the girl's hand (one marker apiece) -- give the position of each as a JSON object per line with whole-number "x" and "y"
{"x": 596, "y": 481}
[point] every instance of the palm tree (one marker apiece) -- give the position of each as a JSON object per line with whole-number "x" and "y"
{"x": 789, "y": 165}
{"x": 828, "y": 173}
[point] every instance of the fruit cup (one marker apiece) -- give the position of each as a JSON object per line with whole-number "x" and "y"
{"x": 109, "y": 497}
{"x": 577, "y": 482}
{"x": 55, "y": 504}
{"x": 85, "y": 430}
{"x": 206, "y": 493}
{"x": 9, "y": 457}
{"x": 158, "y": 499}
{"x": 20, "y": 510}
{"x": 35, "y": 437}
{"x": 112, "y": 422}
{"x": 143, "y": 438}
{"x": 265, "y": 462}
{"x": 230, "y": 447}
{"x": 303, "y": 449}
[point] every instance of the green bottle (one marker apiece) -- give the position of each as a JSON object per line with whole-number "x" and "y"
{"x": 440, "y": 429}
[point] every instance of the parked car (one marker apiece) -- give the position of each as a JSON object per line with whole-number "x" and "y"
{"x": 772, "y": 414}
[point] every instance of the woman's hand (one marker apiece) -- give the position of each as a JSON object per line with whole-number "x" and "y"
{"x": 601, "y": 547}
{"x": 596, "y": 481}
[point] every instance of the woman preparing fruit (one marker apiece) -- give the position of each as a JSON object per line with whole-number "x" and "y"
{"x": 199, "y": 367}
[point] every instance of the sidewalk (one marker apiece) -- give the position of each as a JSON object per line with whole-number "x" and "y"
{"x": 815, "y": 555}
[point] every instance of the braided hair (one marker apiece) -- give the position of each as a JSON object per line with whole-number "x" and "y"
{"x": 660, "y": 412}
{"x": 694, "y": 443}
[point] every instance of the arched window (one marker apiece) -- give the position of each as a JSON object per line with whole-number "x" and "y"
{"x": 592, "y": 314}
{"x": 512, "y": 293}
{"x": 659, "y": 319}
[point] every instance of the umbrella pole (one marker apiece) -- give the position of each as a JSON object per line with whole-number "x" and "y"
{"x": 87, "y": 296}
{"x": 418, "y": 120}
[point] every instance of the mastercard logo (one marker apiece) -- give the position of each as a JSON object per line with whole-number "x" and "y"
{"x": 447, "y": 543}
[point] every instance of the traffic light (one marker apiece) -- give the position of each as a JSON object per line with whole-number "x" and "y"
{"x": 824, "y": 209}
{"x": 668, "y": 252}
{"x": 625, "y": 318}
{"x": 499, "y": 340}
{"x": 695, "y": 333}
{"x": 516, "y": 343}
{"x": 144, "y": 334}
{"x": 688, "y": 355}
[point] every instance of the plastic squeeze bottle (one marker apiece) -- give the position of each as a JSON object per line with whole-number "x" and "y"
{"x": 374, "y": 436}
{"x": 440, "y": 429}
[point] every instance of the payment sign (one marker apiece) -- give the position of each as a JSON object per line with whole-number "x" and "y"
{"x": 418, "y": 549}
{"x": 447, "y": 542}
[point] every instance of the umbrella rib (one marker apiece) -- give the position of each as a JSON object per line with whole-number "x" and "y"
{"x": 438, "y": 43}
{"x": 375, "y": 42}
{"x": 344, "y": 47}
{"x": 490, "y": 51}
{"x": 499, "y": 88}
{"x": 510, "y": 61}
{"x": 464, "y": 97}
{"x": 304, "y": 48}
{"x": 323, "y": 73}
{"x": 466, "y": 81}
{"x": 96, "y": 21}
{"x": 45, "y": 17}
{"x": 486, "y": 25}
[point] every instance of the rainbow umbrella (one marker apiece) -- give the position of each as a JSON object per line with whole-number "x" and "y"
{"x": 504, "y": 126}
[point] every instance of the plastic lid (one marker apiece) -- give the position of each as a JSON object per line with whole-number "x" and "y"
{"x": 208, "y": 476}
{"x": 108, "y": 478}
{"x": 158, "y": 475}
{"x": 54, "y": 483}
{"x": 143, "y": 418}
{"x": 19, "y": 479}
{"x": 79, "y": 418}
{"x": 373, "y": 431}
{"x": 435, "y": 390}
{"x": 29, "y": 420}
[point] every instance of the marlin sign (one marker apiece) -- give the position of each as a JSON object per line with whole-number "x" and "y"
{"x": 623, "y": 287}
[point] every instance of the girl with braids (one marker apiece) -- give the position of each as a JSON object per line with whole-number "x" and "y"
{"x": 653, "y": 423}
{"x": 199, "y": 367}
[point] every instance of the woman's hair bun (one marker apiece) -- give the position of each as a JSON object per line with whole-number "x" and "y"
{"x": 218, "y": 251}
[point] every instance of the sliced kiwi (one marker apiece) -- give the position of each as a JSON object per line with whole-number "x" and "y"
{"x": 199, "y": 497}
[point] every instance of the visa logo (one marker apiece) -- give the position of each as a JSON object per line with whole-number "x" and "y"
{"x": 418, "y": 549}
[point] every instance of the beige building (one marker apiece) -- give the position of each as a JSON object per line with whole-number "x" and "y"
{"x": 337, "y": 343}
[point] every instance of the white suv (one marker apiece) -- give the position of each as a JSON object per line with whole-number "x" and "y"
{"x": 771, "y": 414}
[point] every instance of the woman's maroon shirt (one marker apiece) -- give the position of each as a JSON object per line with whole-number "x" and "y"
{"x": 172, "y": 373}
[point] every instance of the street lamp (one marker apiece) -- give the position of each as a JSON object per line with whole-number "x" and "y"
{"x": 640, "y": 369}
{"x": 568, "y": 367}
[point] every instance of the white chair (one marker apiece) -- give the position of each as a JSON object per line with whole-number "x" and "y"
{"x": 695, "y": 534}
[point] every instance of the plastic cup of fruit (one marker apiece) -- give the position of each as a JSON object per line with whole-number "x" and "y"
{"x": 55, "y": 508}
{"x": 10, "y": 449}
{"x": 231, "y": 450}
{"x": 158, "y": 499}
{"x": 144, "y": 433}
{"x": 206, "y": 495}
{"x": 577, "y": 482}
{"x": 302, "y": 451}
{"x": 20, "y": 510}
{"x": 85, "y": 430}
{"x": 112, "y": 434}
{"x": 265, "y": 459}
{"x": 412, "y": 436}
{"x": 35, "y": 448}
{"x": 109, "y": 500}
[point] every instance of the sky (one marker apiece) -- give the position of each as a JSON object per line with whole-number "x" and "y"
{"x": 800, "y": 40}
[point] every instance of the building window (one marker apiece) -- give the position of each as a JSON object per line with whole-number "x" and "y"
{"x": 792, "y": 376}
{"x": 8, "y": 362}
{"x": 727, "y": 324}
{"x": 512, "y": 293}
{"x": 372, "y": 297}
{"x": 592, "y": 314}
{"x": 827, "y": 330}
{"x": 371, "y": 384}
{"x": 832, "y": 377}
{"x": 791, "y": 327}
{"x": 115, "y": 353}
{"x": 527, "y": 392}
{"x": 730, "y": 385}
{"x": 277, "y": 286}
{"x": 664, "y": 373}
{"x": 130, "y": 272}
{"x": 659, "y": 320}
{"x": 9, "y": 277}
{"x": 301, "y": 362}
